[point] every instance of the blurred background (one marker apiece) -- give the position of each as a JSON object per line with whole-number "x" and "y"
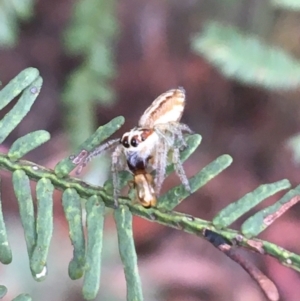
{"x": 239, "y": 62}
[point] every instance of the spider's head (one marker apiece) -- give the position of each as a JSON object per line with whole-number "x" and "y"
{"x": 132, "y": 139}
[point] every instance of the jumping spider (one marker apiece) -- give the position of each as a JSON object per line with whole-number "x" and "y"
{"x": 145, "y": 148}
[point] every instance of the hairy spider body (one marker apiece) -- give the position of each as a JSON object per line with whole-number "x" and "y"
{"x": 145, "y": 148}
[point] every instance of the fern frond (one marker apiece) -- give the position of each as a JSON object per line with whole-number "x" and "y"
{"x": 90, "y": 34}
{"x": 11, "y": 12}
{"x": 263, "y": 219}
{"x": 246, "y": 58}
{"x": 235, "y": 210}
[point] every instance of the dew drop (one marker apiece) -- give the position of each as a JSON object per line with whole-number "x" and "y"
{"x": 41, "y": 276}
{"x": 190, "y": 218}
{"x": 289, "y": 261}
{"x": 34, "y": 90}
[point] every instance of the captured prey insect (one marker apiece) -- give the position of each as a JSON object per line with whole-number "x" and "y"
{"x": 143, "y": 184}
{"x": 146, "y": 147}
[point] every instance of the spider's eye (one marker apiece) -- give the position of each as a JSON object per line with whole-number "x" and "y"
{"x": 134, "y": 142}
{"x": 125, "y": 142}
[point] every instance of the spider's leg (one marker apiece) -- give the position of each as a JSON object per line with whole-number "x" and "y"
{"x": 116, "y": 162}
{"x": 101, "y": 148}
{"x": 161, "y": 158}
{"x": 180, "y": 170}
{"x": 177, "y": 130}
{"x": 87, "y": 157}
{"x": 185, "y": 128}
{"x": 161, "y": 132}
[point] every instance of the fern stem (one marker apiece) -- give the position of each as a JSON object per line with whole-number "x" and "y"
{"x": 172, "y": 219}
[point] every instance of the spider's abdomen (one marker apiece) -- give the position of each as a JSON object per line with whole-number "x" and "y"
{"x": 168, "y": 107}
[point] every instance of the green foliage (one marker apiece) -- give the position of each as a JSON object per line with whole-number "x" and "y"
{"x": 177, "y": 194}
{"x": 95, "y": 212}
{"x": 5, "y": 250}
{"x": 76, "y": 194}
{"x": 123, "y": 218}
{"x": 44, "y": 225}
{"x": 65, "y": 166}
{"x": 247, "y": 58}
{"x": 286, "y": 4}
{"x": 235, "y": 210}
{"x": 257, "y": 223}
{"x": 11, "y": 12}
{"x": 3, "y": 291}
{"x": 20, "y": 109}
{"x": 90, "y": 35}
{"x": 73, "y": 211}
{"x": 27, "y": 143}
{"x": 22, "y": 190}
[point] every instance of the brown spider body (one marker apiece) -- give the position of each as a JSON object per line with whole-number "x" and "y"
{"x": 145, "y": 148}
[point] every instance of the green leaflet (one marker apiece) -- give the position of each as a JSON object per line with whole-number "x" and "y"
{"x": 3, "y": 291}
{"x": 246, "y": 58}
{"x": 73, "y": 212}
{"x": 103, "y": 132}
{"x": 17, "y": 85}
{"x": 175, "y": 195}
{"x": 22, "y": 190}
{"x": 95, "y": 211}
{"x": 5, "y": 250}
{"x": 123, "y": 219}
{"x": 256, "y": 223}
{"x": 20, "y": 109}
{"x": 22, "y": 297}
{"x": 27, "y": 143}
{"x": 235, "y": 210}
{"x": 44, "y": 227}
